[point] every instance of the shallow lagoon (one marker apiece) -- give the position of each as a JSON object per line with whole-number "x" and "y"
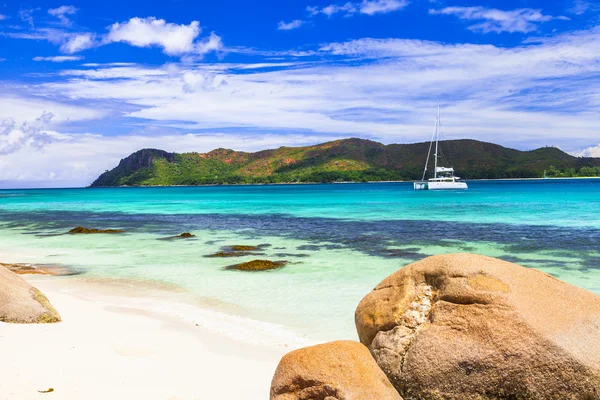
{"x": 340, "y": 239}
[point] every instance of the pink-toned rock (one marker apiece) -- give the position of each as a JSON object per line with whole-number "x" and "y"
{"x": 468, "y": 327}
{"x": 342, "y": 370}
{"x": 22, "y": 303}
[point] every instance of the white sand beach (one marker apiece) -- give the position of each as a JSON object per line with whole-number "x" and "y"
{"x": 123, "y": 343}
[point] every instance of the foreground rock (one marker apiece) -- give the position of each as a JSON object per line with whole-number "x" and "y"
{"x": 341, "y": 370}
{"x": 471, "y": 327}
{"x": 81, "y": 229}
{"x": 258, "y": 265}
{"x": 22, "y": 303}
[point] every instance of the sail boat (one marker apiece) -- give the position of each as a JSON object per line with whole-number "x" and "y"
{"x": 443, "y": 177}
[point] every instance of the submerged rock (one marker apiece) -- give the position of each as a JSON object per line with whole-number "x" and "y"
{"x": 184, "y": 235}
{"x": 41, "y": 269}
{"x": 239, "y": 247}
{"x": 468, "y": 327}
{"x": 22, "y": 303}
{"x": 258, "y": 265}
{"x": 238, "y": 251}
{"x": 81, "y": 229}
{"x": 225, "y": 254}
{"x": 343, "y": 370}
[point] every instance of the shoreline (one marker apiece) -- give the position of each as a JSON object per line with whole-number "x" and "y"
{"x": 134, "y": 342}
{"x": 295, "y": 183}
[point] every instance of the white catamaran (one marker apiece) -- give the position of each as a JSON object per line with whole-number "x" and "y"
{"x": 443, "y": 177}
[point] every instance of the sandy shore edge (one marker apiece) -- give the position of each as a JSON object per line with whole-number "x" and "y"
{"x": 134, "y": 343}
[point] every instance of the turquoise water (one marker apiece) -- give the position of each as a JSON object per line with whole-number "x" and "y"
{"x": 340, "y": 240}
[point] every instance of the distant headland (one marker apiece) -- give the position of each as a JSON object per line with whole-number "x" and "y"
{"x": 346, "y": 160}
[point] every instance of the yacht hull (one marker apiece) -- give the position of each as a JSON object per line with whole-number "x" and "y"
{"x": 440, "y": 185}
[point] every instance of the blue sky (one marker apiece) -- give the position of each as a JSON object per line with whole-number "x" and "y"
{"x": 83, "y": 84}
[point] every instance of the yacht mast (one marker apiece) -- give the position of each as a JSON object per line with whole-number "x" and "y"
{"x": 429, "y": 152}
{"x": 437, "y": 123}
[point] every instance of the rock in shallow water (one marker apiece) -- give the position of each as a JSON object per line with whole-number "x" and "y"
{"x": 41, "y": 269}
{"x": 341, "y": 370}
{"x": 22, "y": 303}
{"x": 258, "y": 265}
{"x": 81, "y": 229}
{"x": 471, "y": 327}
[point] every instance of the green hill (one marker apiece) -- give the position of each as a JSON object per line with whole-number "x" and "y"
{"x": 353, "y": 159}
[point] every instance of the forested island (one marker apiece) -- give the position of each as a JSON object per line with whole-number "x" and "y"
{"x": 347, "y": 160}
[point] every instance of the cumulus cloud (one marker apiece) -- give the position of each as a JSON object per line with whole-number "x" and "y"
{"x": 12, "y": 138}
{"x": 593, "y": 151}
{"x": 212, "y": 43}
{"x": 174, "y": 39}
{"x": 2, "y": 17}
{"x": 78, "y": 42}
{"x": 58, "y": 59}
{"x": 287, "y": 26}
{"x": 522, "y": 20}
{"x": 368, "y": 7}
{"x": 62, "y": 12}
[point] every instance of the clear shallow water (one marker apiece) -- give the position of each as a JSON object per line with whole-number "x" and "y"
{"x": 340, "y": 240}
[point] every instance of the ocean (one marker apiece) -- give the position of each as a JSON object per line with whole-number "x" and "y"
{"x": 340, "y": 240}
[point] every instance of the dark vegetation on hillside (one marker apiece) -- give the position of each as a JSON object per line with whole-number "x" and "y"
{"x": 348, "y": 160}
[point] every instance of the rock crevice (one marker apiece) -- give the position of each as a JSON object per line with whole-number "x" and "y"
{"x": 468, "y": 327}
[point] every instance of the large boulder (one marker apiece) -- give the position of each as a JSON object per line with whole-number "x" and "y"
{"x": 471, "y": 327}
{"x": 341, "y": 370}
{"x": 22, "y": 303}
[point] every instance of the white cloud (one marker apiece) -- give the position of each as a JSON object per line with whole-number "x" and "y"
{"x": 209, "y": 44}
{"x": 145, "y": 32}
{"x": 12, "y": 138}
{"x": 286, "y": 26}
{"x": 493, "y": 20}
{"x": 62, "y": 12}
{"x": 22, "y": 109}
{"x": 178, "y": 40}
{"x": 593, "y": 151}
{"x": 527, "y": 95}
{"x": 381, "y": 6}
{"x": 58, "y": 59}
{"x": 26, "y": 15}
{"x": 542, "y": 92}
{"x": 580, "y": 7}
{"x": 78, "y": 42}
{"x": 3, "y": 17}
{"x": 69, "y": 42}
{"x": 112, "y": 64}
{"x": 368, "y": 7}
